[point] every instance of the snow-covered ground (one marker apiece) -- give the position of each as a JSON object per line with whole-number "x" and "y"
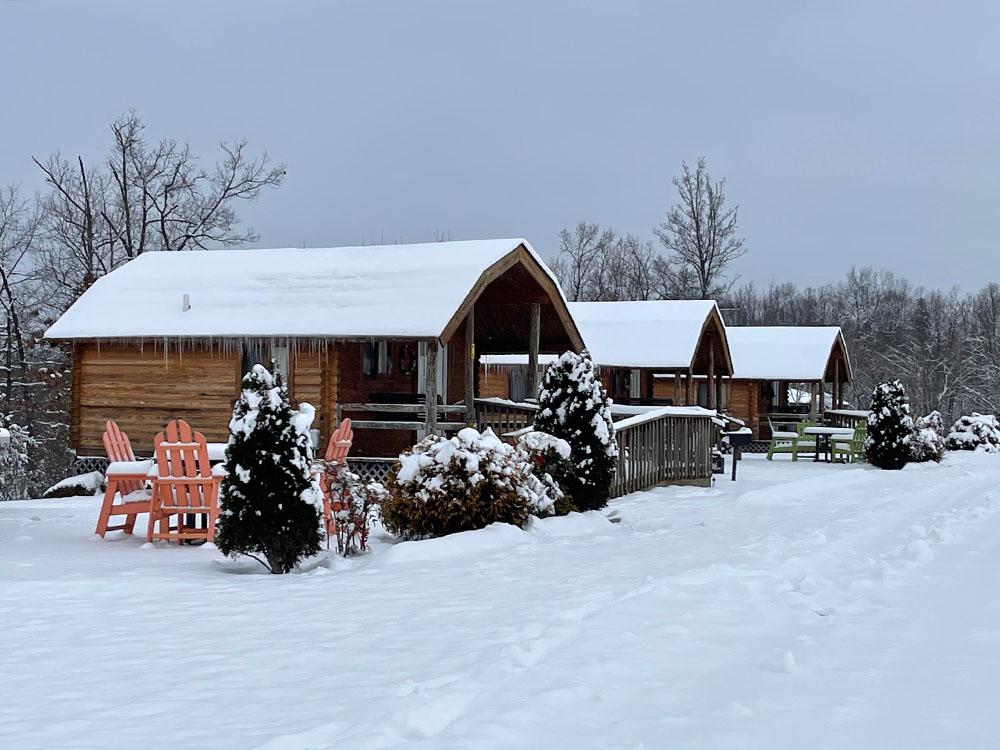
{"x": 806, "y": 606}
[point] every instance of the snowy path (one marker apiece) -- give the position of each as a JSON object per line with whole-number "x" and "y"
{"x": 805, "y": 606}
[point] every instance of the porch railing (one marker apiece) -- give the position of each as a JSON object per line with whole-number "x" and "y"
{"x": 662, "y": 448}
{"x": 390, "y": 420}
{"x": 504, "y": 416}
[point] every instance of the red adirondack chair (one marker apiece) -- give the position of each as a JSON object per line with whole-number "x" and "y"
{"x": 183, "y": 484}
{"x": 126, "y": 479}
{"x": 336, "y": 450}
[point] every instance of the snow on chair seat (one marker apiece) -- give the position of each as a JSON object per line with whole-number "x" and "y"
{"x": 184, "y": 485}
{"x": 119, "y": 468}
{"x": 126, "y": 479}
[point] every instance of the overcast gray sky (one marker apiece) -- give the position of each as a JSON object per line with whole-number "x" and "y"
{"x": 850, "y": 132}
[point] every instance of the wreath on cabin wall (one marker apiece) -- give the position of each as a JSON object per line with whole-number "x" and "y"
{"x": 406, "y": 359}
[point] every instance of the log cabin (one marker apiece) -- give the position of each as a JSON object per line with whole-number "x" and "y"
{"x": 668, "y": 352}
{"x": 773, "y": 361}
{"x": 374, "y": 333}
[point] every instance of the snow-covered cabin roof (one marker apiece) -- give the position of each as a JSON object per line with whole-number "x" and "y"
{"x": 662, "y": 334}
{"x": 343, "y": 292}
{"x": 793, "y": 353}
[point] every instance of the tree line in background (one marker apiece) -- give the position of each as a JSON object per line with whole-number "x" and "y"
{"x": 943, "y": 345}
{"x": 90, "y": 218}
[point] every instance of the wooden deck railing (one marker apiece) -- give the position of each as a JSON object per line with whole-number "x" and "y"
{"x": 660, "y": 448}
{"x": 417, "y": 422}
{"x": 504, "y": 416}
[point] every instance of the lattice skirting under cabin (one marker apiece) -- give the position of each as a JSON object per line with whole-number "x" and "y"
{"x": 87, "y": 464}
{"x": 372, "y": 469}
{"x": 757, "y": 446}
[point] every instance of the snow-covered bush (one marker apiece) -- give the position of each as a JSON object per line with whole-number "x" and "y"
{"x": 469, "y": 481}
{"x": 80, "y": 485}
{"x": 269, "y": 500}
{"x": 353, "y": 505}
{"x": 927, "y": 441}
{"x": 549, "y": 458}
{"x": 889, "y": 426}
{"x": 15, "y": 472}
{"x": 975, "y": 432}
{"x": 573, "y": 405}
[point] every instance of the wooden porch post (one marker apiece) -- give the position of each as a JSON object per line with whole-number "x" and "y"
{"x": 470, "y": 367}
{"x": 711, "y": 378}
{"x": 431, "y": 386}
{"x": 534, "y": 334}
{"x": 687, "y": 387}
{"x": 677, "y": 388}
{"x": 836, "y": 384}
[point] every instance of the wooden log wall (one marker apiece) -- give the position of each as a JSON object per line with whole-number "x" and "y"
{"x": 142, "y": 388}
{"x": 494, "y": 381}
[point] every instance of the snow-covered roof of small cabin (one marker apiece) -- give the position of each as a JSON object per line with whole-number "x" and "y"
{"x": 383, "y": 290}
{"x": 660, "y": 333}
{"x": 794, "y": 353}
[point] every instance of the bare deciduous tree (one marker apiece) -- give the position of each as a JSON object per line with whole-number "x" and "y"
{"x": 143, "y": 197}
{"x": 700, "y": 235}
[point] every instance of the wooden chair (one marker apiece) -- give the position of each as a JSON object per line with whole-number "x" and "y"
{"x": 785, "y": 441}
{"x": 126, "y": 478}
{"x": 850, "y": 447}
{"x": 183, "y": 484}
{"x": 805, "y": 443}
{"x": 336, "y": 450}
{"x": 782, "y": 441}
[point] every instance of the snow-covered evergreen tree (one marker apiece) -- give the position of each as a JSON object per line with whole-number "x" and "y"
{"x": 573, "y": 405}
{"x": 15, "y": 465}
{"x": 889, "y": 427}
{"x": 269, "y": 500}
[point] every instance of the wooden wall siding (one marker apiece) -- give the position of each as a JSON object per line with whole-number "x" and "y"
{"x": 742, "y": 402}
{"x": 494, "y": 382}
{"x": 456, "y": 367}
{"x": 329, "y": 390}
{"x": 664, "y": 388}
{"x": 143, "y": 389}
{"x": 306, "y": 384}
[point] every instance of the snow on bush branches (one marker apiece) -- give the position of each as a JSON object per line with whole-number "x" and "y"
{"x": 469, "y": 481}
{"x": 573, "y": 405}
{"x": 977, "y": 432}
{"x": 927, "y": 439}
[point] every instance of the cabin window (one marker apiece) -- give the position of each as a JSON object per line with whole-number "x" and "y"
{"x": 635, "y": 384}
{"x": 375, "y": 359}
{"x": 261, "y": 353}
{"x": 279, "y": 362}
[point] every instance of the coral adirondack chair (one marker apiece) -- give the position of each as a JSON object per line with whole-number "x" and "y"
{"x": 183, "y": 485}
{"x": 336, "y": 450}
{"x": 126, "y": 479}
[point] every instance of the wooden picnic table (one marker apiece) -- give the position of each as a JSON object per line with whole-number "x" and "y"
{"x": 824, "y": 437}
